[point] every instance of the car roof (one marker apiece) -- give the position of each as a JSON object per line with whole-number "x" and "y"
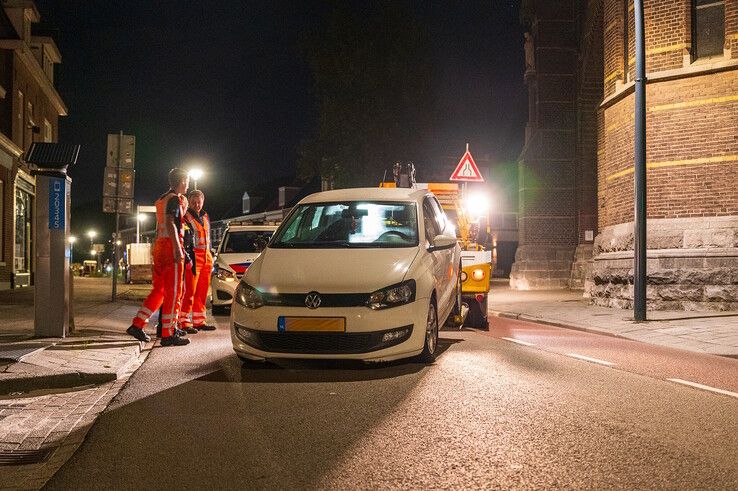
{"x": 253, "y": 228}
{"x": 376, "y": 194}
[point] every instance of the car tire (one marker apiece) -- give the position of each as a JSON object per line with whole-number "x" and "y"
{"x": 220, "y": 309}
{"x": 430, "y": 344}
{"x": 477, "y": 316}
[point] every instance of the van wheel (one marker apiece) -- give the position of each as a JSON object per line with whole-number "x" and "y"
{"x": 430, "y": 347}
{"x": 477, "y": 316}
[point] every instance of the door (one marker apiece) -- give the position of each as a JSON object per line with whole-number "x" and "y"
{"x": 435, "y": 224}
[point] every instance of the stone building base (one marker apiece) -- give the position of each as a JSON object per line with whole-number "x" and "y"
{"x": 579, "y": 268}
{"x": 541, "y": 267}
{"x": 692, "y": 265}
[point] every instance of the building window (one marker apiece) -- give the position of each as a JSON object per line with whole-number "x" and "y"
{"x": 23, "y": 218}
{"x": 48, "y": 133}
{"x": 708, "y": 27}
{"x": 30, "y": 123}
{"x": 21, "y": 119}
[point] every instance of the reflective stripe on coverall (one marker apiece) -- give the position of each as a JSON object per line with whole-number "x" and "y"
{"x": 166, "y": 288}
{"x": 197, "y": 284}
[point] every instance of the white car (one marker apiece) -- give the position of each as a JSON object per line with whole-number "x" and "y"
{"x": 241, "y": 244}
{"x": 366, "y": 274}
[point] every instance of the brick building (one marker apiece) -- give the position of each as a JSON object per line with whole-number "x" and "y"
{"x": 30, "y": 108}
{"x": 576, "y": 170}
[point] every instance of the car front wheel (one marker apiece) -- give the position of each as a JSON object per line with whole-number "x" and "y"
{"x": 430, "y": 347}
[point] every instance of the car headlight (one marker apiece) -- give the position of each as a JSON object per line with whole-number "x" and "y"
{"x": 478, "y": 274}
{"x": 464, "y": 276}
{"x": 225, "y": 275}
{"x": 392, "y": 296}
{"x": 248, "y": 296}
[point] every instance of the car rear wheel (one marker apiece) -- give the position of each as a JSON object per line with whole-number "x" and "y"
{"x": 430, "y": 347}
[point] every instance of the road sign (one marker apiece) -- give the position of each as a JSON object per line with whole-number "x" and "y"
{"x": 119, "y": 175}
{"x": 467, "y": 169}
{"x": 118, "y": 182}
{"x": 117, "y": 205}
{"x": 126, "y": 152}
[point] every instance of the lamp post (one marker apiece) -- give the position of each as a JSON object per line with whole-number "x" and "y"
{"x": 91, "y": 234}
{"x": 72, "y": 240}
{"x": 195, "y": 174}
{"x": 140, "y": 218}
{"x": 639, "y": 201}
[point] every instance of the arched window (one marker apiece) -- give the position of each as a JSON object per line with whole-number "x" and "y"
{"x": 708, "y": 27}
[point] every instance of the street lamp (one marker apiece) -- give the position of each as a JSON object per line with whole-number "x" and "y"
{"x": 91, "y": 234}
{"x": 195, "y": 174}
{"x": 140, "y": 218}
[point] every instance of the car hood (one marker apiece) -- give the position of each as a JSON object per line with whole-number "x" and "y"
{"x": 330, "y": 270}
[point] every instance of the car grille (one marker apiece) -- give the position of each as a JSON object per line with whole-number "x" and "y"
{"x": 322, "y": 343}
{"x": 326, "y": 299}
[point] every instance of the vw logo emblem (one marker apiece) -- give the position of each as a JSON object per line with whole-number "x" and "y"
{"x": 312, "y": 300}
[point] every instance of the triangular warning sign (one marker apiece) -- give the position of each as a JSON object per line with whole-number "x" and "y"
{"x": 467, "y": 170}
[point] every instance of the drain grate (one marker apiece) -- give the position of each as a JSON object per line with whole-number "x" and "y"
{"x": 16, "y": 352}
{"x": 25, "y": 457}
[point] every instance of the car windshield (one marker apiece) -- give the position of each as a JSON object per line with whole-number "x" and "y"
{"x": 349, "y": 224}
{"x": 245, "y": 241}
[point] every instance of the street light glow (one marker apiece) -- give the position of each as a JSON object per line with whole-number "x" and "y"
{"x": 477, "y": 205}
{"x": 141, "y": 217}
{"x": 195, "y": 173}
{"x": 91, "y": 234}
{"x": 117, "y": 242}
{"x": 93, "y": 252}
{"x": 72, "y": 239}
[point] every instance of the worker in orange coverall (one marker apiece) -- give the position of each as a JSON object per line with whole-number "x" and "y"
{"x": 169, "y": 261}
{"x": 197, "y": 278}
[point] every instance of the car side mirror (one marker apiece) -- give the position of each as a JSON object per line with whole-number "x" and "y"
{"x": 442, "y": 242}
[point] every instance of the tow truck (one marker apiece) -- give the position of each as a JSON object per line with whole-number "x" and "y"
{"x": 468, "y": 210}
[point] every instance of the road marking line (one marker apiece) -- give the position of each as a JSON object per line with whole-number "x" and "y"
{"x": 593, "y": 360}
{"x": 703, "y": 387}
{"x": 517, "y": 341}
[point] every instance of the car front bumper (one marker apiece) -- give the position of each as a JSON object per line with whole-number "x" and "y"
{"x": 255, "y": 334}
{"x": 222, "y": 291}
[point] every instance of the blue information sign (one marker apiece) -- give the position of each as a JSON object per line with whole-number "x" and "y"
{"x": 57, "y": 203}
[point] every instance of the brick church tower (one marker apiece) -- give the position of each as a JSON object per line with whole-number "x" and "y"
{"x": 576, "y": 171}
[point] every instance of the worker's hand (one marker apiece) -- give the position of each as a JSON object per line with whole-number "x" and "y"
{"x": 178, "y": 255}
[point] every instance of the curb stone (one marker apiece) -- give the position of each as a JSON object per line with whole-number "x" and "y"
{"x": 70, "y": 379}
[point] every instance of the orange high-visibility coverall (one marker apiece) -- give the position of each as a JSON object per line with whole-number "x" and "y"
{"x": 197, "y": 284}
{"x": 166, "y": 290}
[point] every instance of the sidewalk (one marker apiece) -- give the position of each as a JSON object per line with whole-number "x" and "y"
{"x": 97, "y": 351}
{"x": 704, "y": 332}
{"x": 52, "y": 390}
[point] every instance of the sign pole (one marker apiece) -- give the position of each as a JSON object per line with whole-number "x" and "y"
{"x": 117, "y": 221}
{"x": 639, "y": 249}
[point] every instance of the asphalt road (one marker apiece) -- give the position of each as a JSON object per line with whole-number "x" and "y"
{"x": 489, "y": 413}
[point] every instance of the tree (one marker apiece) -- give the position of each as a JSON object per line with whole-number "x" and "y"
{"x": 372, "y": 81}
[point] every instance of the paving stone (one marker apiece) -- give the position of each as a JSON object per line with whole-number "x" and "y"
{"x": 716, "y": 333}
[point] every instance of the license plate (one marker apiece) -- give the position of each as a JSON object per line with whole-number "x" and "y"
{"x": 311, "y": 324}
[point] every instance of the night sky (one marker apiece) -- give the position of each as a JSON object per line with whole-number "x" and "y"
{"x": 223, "y": 83}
